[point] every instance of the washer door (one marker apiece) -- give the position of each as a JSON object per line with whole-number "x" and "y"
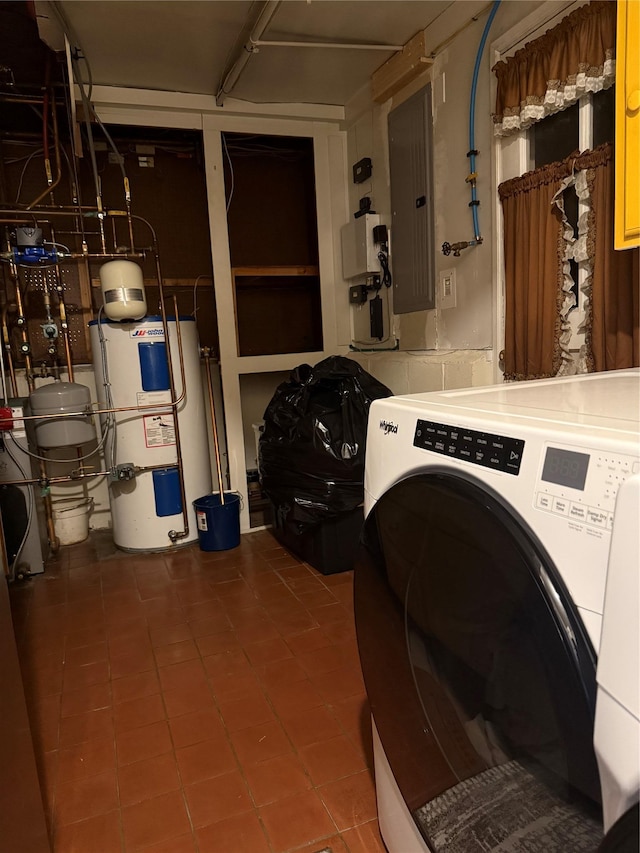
{"x": 480, "y": 675}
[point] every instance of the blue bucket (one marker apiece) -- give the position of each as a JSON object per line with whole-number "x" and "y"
{"x": 218, "y": 523}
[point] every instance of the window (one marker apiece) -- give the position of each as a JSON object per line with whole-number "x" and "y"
{"x": 582, "y": 126}
{"x": 567, "y": 293}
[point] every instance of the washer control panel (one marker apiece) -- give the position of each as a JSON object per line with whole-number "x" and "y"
{"x": 582, "y": 486}
{"x": 482, "y": 448}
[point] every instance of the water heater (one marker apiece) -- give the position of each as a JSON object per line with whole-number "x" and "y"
{"x": 132, "y": 359}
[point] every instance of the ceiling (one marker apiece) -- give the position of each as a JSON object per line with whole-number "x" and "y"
{"x": 186, "y": 46}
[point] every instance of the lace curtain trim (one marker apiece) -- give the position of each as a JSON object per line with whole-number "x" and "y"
{"x": 552, "y": 72}
{"x": 575, "y": 171}
{"x": 575, "y": 248}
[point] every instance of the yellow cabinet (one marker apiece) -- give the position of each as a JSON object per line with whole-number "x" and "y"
{"x": 627, "y": 203}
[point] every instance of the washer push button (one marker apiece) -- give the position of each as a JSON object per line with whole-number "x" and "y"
{"x": 490, "y": 451}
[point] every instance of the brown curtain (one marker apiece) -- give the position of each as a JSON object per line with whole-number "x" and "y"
{"x": 553, "y": 71}
{"x": 533, "y": 252}
{"x": 614, "y": 339}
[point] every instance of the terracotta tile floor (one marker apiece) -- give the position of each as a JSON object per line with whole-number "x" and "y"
{"x": 193, "y": 702}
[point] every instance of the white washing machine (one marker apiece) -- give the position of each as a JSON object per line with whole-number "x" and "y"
{"x": 496, "y": 600}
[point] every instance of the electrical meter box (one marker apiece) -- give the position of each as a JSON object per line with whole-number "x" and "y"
{"x": 359, "y": 252}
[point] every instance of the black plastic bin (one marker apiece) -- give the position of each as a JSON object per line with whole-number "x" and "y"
{"x": 329, "y": 547}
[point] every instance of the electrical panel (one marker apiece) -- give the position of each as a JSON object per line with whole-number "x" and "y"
{"x": 359, "y": 252}
{"x": 412, "y": 204}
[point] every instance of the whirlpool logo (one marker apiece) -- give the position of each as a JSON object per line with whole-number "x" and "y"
{"x": 388, "y": 426}
{"x": 148, "y": 333}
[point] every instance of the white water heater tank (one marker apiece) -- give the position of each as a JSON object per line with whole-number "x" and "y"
{"x": 123, "y": 293}
{"x": 132, "y": 358}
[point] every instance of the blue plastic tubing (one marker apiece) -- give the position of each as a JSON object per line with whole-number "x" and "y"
{"x": 472, "y": 116}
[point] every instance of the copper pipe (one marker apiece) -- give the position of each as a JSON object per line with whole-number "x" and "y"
{"x": 22, "y": 324}
{"x": 64, "y": 325}
{"x": 89, "y": 413}
{"x": 21, "y": 99}
{"x": 83, "y": 475}
{"x": 127, "y": 196}
{"x": 174, "y": 535}
{"x": 70, "y": 256}
{"x": 62, "y": 209}
{"x": 54, "y": 543}
{"x": 78, "y": 256}
{"x": 214, "y": 428}
{"x": 67, "y": 478}
{"x": 9, "y": 355}
{"x": 56, "y": 141}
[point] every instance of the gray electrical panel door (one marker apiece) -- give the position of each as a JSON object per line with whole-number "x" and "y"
{"x": 411, "y": 173}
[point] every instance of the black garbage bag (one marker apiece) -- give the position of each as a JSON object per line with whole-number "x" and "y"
{"x": 311, "y": 452}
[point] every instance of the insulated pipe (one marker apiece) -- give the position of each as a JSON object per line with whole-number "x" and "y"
{"x": 267, "y": 12}
{"x": 471, "y": 178}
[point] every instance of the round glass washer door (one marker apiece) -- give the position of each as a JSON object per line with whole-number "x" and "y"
{"x": 480, "y": 675}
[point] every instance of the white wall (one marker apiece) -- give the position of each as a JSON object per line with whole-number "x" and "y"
{"x": 256, "y": 389}
{"x": 456, "y": 344}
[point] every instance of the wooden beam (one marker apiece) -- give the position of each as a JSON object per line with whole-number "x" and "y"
{"x": 401, "y": 69}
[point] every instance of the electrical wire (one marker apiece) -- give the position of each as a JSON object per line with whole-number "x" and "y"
{"x": 40, "y": 150}
{"x": 54, "y": 243}
{"x": 372, "y": 345}
{"x": 383, "y": 258}
{"x": 226, "y": 151}
{"x": 195, "y": 293}
{"x": 34, "y": 455}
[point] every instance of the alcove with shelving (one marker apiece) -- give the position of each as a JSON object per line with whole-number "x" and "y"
{"x": 270, "y": 201}
{"x": 273, "y": 243}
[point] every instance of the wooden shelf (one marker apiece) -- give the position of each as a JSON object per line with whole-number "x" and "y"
{"x": 266, "y": 272}
{"x": 277, "y": 309}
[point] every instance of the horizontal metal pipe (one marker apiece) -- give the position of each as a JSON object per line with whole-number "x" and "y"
{"x": 70, "y": 478}
{"x": 88, "y": 414}
{"x": 270, "y": 43}
{"x": 269, "y": 8}
{"x": 67, "y": 478}
{"x": 23, "y": 99}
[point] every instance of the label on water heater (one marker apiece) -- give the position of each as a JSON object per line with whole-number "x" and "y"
{"x": 147, "y": 332}
{"x": 159, "y": 430}
{"x": 201, "y": 519}
{"x": 153, "y": 398}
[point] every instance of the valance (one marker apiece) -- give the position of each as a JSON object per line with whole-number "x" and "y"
{"x": 552, "y": 72}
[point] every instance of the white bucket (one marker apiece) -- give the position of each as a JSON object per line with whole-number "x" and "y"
{"x": 71, "y": 519}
